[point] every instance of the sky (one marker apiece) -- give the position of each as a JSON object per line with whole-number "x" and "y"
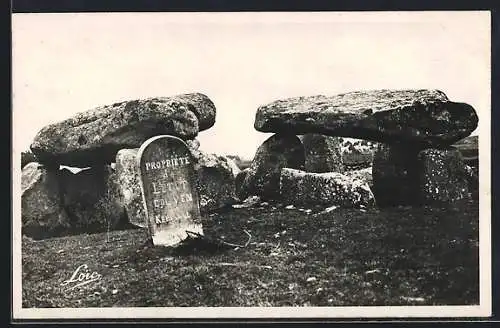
{"x": 69, "y": 63}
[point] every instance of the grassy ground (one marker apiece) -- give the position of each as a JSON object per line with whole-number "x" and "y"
{"x": 397, "y": 256}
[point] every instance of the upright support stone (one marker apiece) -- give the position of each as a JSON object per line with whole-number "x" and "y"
{"x": 408, "y": 176}
{"x": 168, "y": 185}
{"x": 322, "y": 153}
{"x": 127, "y": 176}
{"x": 263, "y": 177}
{"x": 443, "y": 176}
{"x": 395, "y": 175}
{"x": 42, "y": 214}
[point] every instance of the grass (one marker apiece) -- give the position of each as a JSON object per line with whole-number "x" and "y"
{"x": 346, "y": 257}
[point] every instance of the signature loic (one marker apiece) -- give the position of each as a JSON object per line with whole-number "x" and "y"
{"x": 81, "y": 277}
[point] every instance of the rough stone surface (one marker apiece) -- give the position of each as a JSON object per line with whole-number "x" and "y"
{"x": 193, "y": 143}
{"x": 129, "y": 190}
{"x": 395, "y": 175}
{"x": 357, "y": 154}
{"x": 42, "y": 215}
{"x": 362, "y": 174}
{"x": 91, "y": 199}
{"x": 405, "y": 176}
{"x": 425, "y": 118}
{"x": 329, "y": 189}
{"x": 241, "y": 192}
{"x": 277, "y": 152}
{"x": 200, "y": 105}
{"x": 215, "y": 180}
{"x": 322, "y": 153}
{"x": 94, "y": 137}
{"x": 473, "y": 180}
{"x": 27, "y": 157}
{"x": 469, "y": 148}
{"x": 443, "y": 176}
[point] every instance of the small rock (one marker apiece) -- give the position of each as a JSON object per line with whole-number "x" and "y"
{"x": 329, "y": 209}
{"x": 311, "y": 279}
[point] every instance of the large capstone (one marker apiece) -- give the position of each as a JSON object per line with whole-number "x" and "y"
{"x": 263, "y": 176}
{"x": 93, "y": 137}
{"x": 328, "y": 189}
{"x": 425, "y": 118}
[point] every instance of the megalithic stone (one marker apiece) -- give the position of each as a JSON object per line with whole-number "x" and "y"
{"x": 93, "y": 137}
{"x": 168, "y": 185}
{"x": 424, "y": 118}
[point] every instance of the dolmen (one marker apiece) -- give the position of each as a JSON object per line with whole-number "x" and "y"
{"x": 103, "y": 193}
{"x": 413, "y": 162}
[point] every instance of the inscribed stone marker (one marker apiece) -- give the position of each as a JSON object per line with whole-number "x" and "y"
{"x": 168, "y": 185}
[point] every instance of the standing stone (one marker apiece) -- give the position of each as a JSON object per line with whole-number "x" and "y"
{"x": 94, "y": 137}
{"x": 322, "y": 153}
{"x": 277, "y": 152}
{"x": 395, "y": 175}
{"x": 91, "y": 199}
{"x": 241, "y": 192}
{"x": 168, "y": 185}
{"x": 127, "y": 176}
{"x": 443, "y": 176}
{"x": 425, "y": 118}
{"x": 42, "y": 214}
{"x": 215, "y": 181}
{"x": 328, "y": 189}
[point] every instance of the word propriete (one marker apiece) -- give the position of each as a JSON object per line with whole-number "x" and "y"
{"x": 171, "y": 162}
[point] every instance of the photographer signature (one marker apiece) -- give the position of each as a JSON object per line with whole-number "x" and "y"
{"x": 81, "y": 277}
